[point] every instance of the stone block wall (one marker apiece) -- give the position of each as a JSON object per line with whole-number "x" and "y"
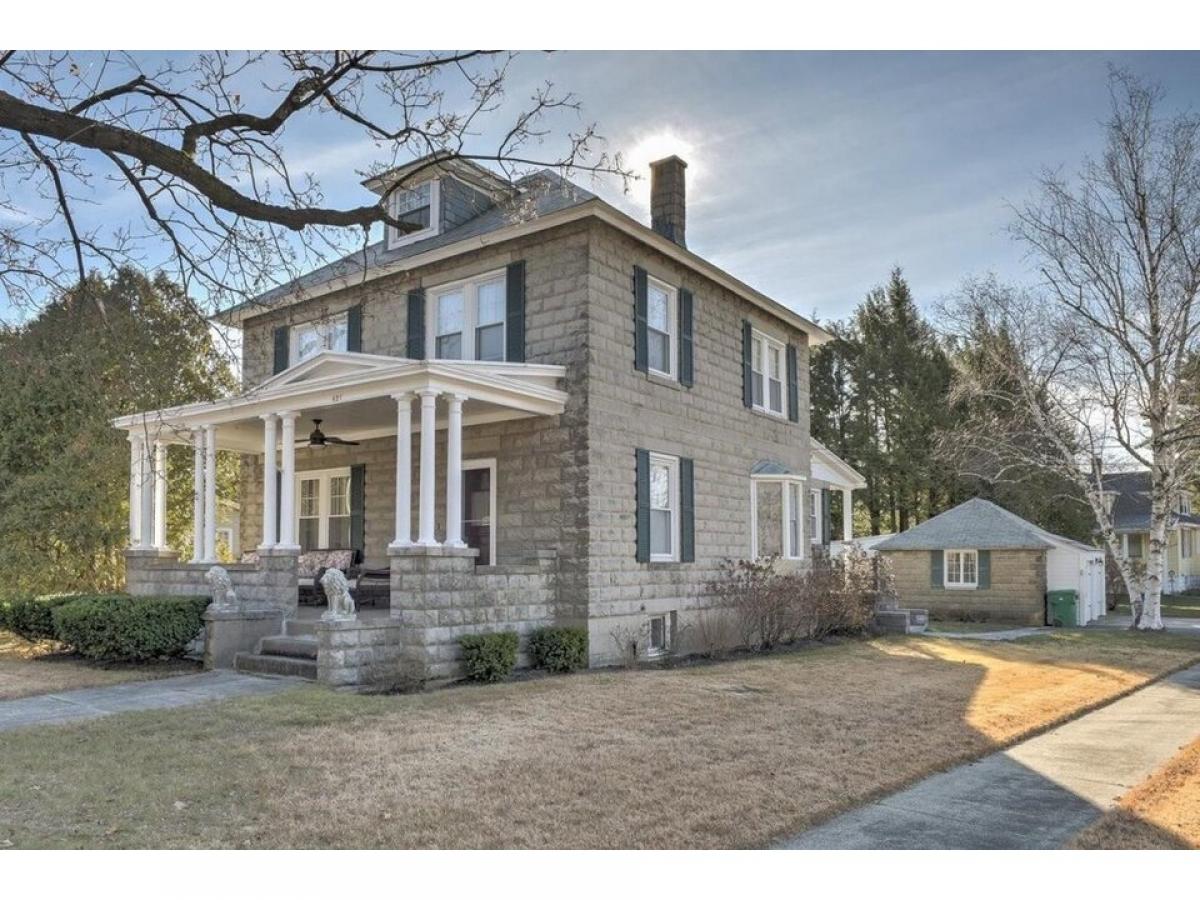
{"x": 438, "y": 596}
{"x": 1017, "y": 592}
{"x": 360, "y": 652}
{"x": 269, "y": 585}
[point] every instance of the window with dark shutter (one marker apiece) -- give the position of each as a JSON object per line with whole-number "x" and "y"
{"x": 793, "y": 385}
{"x": 935, "y": 568}
{"x": 641, "y": 352}
{"x": 354, "y": 323}
{"x": 358, "y": 496}
{"x": 747, "y": 364}
{"x": 686, "y": 363}
{"x": 687, "y": 510}
{"x": 415, "y": 348}
{"x": 643, "y": 505}
{"x": 984, "y": 574}
{"x": 515, "y": 312}
{"x": 282, "y": 348}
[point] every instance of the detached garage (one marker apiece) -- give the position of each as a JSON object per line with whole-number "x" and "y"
{"x": 979, "y": 561}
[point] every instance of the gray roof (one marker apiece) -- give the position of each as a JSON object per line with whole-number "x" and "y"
{"x": 1131, "y": 505}
{"x": 538, "y": 194}
{"x": 979, "y": 525}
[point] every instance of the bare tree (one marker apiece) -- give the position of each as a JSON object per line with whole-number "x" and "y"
{"x": 1100, "y": 362}
{"x": 219, "y": 203}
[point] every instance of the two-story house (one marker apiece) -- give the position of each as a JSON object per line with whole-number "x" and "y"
{"x": 528, "y": 408}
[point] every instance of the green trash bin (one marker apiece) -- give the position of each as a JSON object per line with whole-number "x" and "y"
{"x": 1060, "y": 608}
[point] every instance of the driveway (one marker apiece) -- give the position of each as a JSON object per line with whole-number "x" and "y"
{"x": 1171, "y": 623}
{"x": 1037, "y": 794}
{"x": 163, "y": 693}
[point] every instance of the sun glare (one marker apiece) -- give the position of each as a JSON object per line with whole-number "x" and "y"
{"x": 651, "y": 147}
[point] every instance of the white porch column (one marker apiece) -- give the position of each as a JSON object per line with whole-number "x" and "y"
{"x": 135, "y": 489}
{"x": 198, "y": 495}
{"x": 210, "y": 493}
{"x": 160, "y": 495}
{"x": 847, "y": 515}
{"x": 1125, "y": 545}
{"x": 146, "y": 497}
{"x": 287, "y": 482}
{"x": 454, "y": 503}
{"x": 403, "y": 535}
{"x": 426, "y": 537}
{"x": 270, "y": 479}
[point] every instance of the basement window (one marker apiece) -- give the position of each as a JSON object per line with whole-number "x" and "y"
{"x": 659, "y": 641}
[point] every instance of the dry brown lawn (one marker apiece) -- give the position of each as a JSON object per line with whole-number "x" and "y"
{"x": 43, "y": 667}
{"x": 736, "y": 754}
{"x": 1161, "y": 813}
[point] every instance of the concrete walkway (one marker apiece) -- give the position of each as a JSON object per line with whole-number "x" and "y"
{"x": 1124, "y": 623}
{"x": 163, "y": 693}
{"x": 1007, "y": 634}
{"x": 1037, "y": 794}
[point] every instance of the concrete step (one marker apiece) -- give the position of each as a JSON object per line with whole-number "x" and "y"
{"x": 285, "y": 645}
{"x": 300, "y": 627}
{"x": 262, "y": 664}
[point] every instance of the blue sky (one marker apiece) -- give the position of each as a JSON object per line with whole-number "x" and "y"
{"x": 812, "y": 174}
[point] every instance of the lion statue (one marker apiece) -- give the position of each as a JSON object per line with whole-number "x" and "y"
{"x": 223, "y": 596}
{"x": 337, "y": 592}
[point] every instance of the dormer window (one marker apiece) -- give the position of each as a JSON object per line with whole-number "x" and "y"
{"x": 419, "y": 205}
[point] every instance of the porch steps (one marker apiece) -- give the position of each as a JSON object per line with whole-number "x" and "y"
{"x": 300, "y": 627}
{"x": 285, "y": 654}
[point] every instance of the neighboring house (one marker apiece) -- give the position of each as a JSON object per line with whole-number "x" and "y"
{"x": 1128, "y": 496}
{"x": 591, "y": 417}
{"x": 981, "y": 561}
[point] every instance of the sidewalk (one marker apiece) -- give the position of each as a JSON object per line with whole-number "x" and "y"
{"x": 163, "y": 693}
{"x": 1037, "y": 794}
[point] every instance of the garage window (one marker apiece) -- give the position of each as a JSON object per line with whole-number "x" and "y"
{"x": 962, "y": 569}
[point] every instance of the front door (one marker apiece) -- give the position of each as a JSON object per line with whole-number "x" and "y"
{"x": 477, "y": 512}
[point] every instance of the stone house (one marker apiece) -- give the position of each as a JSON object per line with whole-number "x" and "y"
{"x": 978, "y": 561}
{"x": 527, "y": 409}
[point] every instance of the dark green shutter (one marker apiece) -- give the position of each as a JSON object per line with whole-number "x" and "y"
{"x": 641, "y": 348}
{"x": 793, "y": 385}
{"x": 282, "y": 349}
{"x": 747, "y": 359}
{"x": 935, "y": 569}
{"x": 985, "y": 568}
{"x": 354, "y": 329}
{"x": 826, "y": 515}
{"x": 416, "y": 324}
{"x": 687, "y": 511}
{"x": 358, "y": 497}
{"x": 514, "y": 329}
{"x": 643, "y": 505}
{"x": 278, "y": 505}
{"x": 685, "y": 338}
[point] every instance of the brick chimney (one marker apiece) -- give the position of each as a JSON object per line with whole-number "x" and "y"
{"x": 668, "y": 198}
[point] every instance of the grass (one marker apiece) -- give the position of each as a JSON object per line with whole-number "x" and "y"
{"x": 736, "y": 754}
{"x": 44, "y": 667}
{"x": 1183, "y": 605}
{"x": 1162, "y": 813}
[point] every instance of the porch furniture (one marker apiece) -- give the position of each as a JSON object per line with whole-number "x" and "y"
{"x": 373, "y": 586}
{"x": 312, "y": 565}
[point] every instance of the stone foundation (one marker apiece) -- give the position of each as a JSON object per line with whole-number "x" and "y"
{"x": 228, "y": 633}
{"x": 359, "y": 651}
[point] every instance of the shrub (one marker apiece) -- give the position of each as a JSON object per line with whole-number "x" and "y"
{"x": 489, "y": 657}
{"x": 33, "y": 617}
{"x": 559, "y": 649}
{"x": 120, "y": 628}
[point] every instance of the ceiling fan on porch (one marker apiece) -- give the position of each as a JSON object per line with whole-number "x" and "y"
{"x": 318, "y": 438}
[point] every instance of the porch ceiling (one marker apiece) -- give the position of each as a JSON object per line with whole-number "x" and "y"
{"x": 352, "y": 393}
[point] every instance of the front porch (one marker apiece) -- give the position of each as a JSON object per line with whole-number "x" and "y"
{"x": 391, "y": 475}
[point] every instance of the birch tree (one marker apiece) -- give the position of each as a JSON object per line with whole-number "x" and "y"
{"x": 1098, "y": 362}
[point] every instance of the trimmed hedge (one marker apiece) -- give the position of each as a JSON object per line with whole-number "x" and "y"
{"x": 120, "y": 628}
{"x": 33, "y": 617}
{"x": 559, "y": 649}
{"x": 489, "y": 657}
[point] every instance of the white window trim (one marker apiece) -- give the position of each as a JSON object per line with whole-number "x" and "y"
{"x": 785, "y": 509}
{"x": 490, "y": 464}
{"x": 818, "y": 515}
{"x": 470, "y": 291}
{"x": 959, "y": 585}
{"x": 767, "y": 342}
{"x": 396, "y": 239}
{"x": 324, "y": 324}
{"x": 324, "y": 476}
{"x": 672, "y": 464}
{"x": 672, "y": 329}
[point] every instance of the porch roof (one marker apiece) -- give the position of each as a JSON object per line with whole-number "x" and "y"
{"x": 351, "y": 393}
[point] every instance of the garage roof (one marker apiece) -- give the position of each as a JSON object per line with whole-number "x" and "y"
{"x": 977, "y": 524}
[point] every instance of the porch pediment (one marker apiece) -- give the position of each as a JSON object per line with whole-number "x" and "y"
{"x": 329, "y": 364}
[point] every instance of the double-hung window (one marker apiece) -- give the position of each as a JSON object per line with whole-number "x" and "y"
{"x": 417, "y": 206}
{"x": 661, "y": 303}
{"x": 467, "y": 319}
{"x": 961, "y": 568}
{"x": 310, "y": 338}
{"x": 1185, "y": 543}
{"x": 664, "y": 508}
{"x": 766, "y": 373}
{"x": 814, "y": 510}
{"x": 794, "y": 493}
{"x": 323, "y": 510}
